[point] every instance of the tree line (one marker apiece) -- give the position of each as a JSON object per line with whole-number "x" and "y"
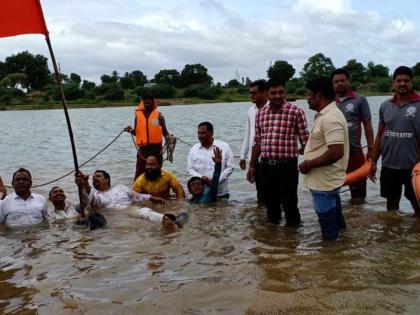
{"x": 26, "y": 78}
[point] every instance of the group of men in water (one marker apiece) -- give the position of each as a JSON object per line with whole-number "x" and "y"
{"x": 276, "y": 134}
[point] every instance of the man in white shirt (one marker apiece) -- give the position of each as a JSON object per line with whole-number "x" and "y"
{"x": 105, "y": 196}
{"x": 63, "y": 209}
{"x": 23, "y": 207}
{"x": 258, "y": 94}
{"x": 200, "y": 159}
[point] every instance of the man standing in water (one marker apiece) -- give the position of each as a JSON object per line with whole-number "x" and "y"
{"x": 278, "y": 127}
{"x": 258, "y": 93}
{"x": 200, "y": 159}
{"x": 398, "y": 141}
{"x": 23, "y": 207}
{"x": 149, "y": 127}
{"x": 356, "y": 110}
{"x": 326, "y": 156}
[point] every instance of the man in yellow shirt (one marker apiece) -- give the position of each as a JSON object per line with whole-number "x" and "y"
{"x": 326, "y": 156}
{"x": 156, "y": 181}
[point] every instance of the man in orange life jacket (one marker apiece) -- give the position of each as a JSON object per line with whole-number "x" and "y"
{"x": 149, "y": 127}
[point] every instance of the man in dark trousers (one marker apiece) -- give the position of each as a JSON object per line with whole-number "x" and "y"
{"x": 279, "y": 126}
{"x": 149, "y": 128}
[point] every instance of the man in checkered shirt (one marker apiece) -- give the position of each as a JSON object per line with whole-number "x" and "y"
{"x": 279, "y": 126}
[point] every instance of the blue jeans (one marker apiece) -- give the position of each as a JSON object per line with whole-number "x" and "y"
{"x": 327, "y": 206}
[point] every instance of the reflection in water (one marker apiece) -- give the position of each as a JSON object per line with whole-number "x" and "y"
{"x": 226, "y": 259}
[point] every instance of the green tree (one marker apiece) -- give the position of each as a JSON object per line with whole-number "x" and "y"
{"x": 168, "y": 76}
{"x": 416, "y": 69}
{"x": 12, "y": 80}
{"x": 113, "y": 78}
{"x": 35, "y": 67}
{"x": 383, "y": 85}
{"x": 139, "y": 78}
{"x": 127, "y": 81}
{"x": 75, "y": 79}
{"x": 377, "y": 71}
{"x": 356, "y": 70}
{"x": 281, "y": 70}
{"x": 195, "y": 74}
{"x": 233, "y": 83}
{"x": 88, "y": 85}
{"x": 317, "y": 65}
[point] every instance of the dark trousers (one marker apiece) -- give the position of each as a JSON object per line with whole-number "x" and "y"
{"x": 279, "y": 183}
{"x": 258, "y": 183}
{"x": 357, "y": 190}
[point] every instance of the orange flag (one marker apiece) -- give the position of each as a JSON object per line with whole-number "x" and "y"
{"x": 21, "y": 17}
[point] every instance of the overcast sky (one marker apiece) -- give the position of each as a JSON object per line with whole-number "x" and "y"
{"x": 96, "y": 37}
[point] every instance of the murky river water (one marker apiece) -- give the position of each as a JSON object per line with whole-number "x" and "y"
{"x": 226, "y": 260}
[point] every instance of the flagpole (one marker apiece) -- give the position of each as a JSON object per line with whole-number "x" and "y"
{"x": 66, "y": 113}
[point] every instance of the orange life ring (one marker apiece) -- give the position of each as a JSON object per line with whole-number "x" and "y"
{"x": 416, "y": 181}
{"x": 357, "y": 175}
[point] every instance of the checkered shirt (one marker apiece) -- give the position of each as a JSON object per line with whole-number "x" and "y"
{"x": 277, "y": 132}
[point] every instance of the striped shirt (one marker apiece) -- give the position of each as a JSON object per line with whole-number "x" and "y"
{"x": 278, "y": 132}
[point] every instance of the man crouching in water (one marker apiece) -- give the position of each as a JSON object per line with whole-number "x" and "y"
{"x": 196, "y": 186}
{"x": 63, "y": 209}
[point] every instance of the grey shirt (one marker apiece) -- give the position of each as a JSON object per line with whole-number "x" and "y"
{"x": 401, "y": 138}
{"x": 356, "y": 109}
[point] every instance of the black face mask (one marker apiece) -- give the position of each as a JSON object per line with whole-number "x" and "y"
{"x": 152, "y": 174}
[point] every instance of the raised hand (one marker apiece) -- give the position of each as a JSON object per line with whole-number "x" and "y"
{"x": 217, "y": 158}
{"x": 3, "y": 190}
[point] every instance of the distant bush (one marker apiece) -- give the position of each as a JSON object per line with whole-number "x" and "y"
{"x": 202, "y": 91}
{"x": 109, "y": 91}
{"x": 71, "y": 92}
{"x": 158, "y": 90}
{"x": 382, "y": 85}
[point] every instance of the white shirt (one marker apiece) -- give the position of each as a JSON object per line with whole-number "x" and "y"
{"x": 118, "y": 196}
{"x": 149, "y": 214}
{"x": 249, "y": 136}
{"x": 200, "y": 163}
{"x": 14, "y": 211}
{"x": 68, "y": 212}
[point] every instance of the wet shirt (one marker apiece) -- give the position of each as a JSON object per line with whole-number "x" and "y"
{"x": 159, "y": 187}
{"x": 117, "y": 196}
{"x": 401, "y": 139}
{"x": 356, "y": 110}
{"x": 15, "y": 211}
{"x": 210, "y": 192}
{"x": 278, "y": 132}
{"x": 68, "y": 212}
{"x": 200, "y": 163}
{"x": 330, "y": 127}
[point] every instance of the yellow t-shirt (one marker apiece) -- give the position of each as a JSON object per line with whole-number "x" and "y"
{"x": 159, "y": 187}
{"x": 330, "y": 127}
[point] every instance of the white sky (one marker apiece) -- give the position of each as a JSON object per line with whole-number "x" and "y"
{"x": 96, "y": 37}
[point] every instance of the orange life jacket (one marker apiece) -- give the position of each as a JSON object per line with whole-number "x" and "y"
{"x": 148, "y": 131}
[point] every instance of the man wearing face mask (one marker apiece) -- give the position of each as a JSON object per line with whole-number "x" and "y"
{"x": 156, "y": 181}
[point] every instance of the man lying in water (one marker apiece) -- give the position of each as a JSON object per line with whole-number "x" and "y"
{"x": 202, "y": 193}
{"x": 169, "y": 221}
{"x": 63, "y": 209}
{"x": 105, "y": 196}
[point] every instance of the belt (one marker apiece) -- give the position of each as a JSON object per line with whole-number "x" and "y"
{"x": 278, "y": 162}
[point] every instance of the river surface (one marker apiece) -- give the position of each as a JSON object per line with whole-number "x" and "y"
{"x": 226, "y": 260}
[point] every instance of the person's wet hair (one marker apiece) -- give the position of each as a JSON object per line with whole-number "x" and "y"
{"x": 322, "y": 85}
{"x": 106, "y": 175}
{"x": 22, "y": 170}
{"x": 403, "y": 70}
{"x": 275, "y": 82}
{"x": 209, "y": 125}
{"x": 158, "y": 158}
{"x": 261, "y": 84}
{"x": 340, "y": 71}
{"x": 192, "y": 179}
{"x": 147, "y": 97}
{"x": 52, "y": 189}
